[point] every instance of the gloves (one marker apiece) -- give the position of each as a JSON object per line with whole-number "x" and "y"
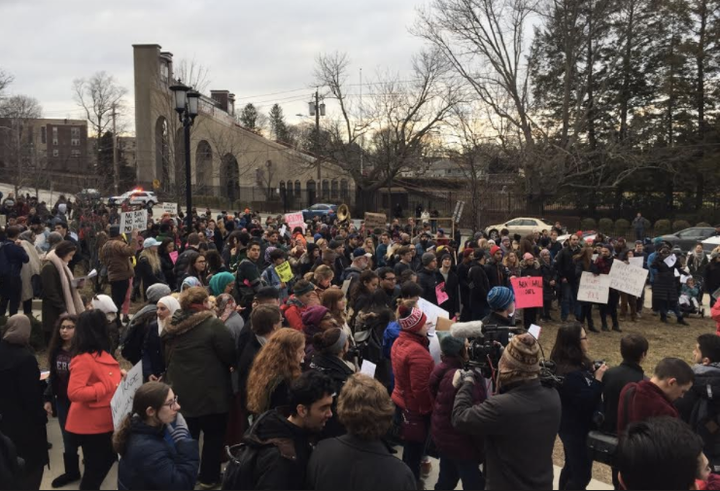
{"x": 179, "y": 429}
{"x": 462, "y": 376}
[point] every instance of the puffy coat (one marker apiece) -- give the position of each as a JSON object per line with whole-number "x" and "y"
{"x": 428, "y": 279}
{"x": 665, "y": 285}
{"x": 116, "y": 256}
{"x": 412, "y": 366}
{"x": 93, "y": 381}
{"x": 449, "y": 441}
{"x": 293, "y": 310}
{"x": 647, "y": 401}
{"x": 152, "y": 462}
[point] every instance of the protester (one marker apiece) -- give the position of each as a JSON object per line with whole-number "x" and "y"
{"x": 153, "y": 358}
{"x": 360, "y": 459}
{"x": 303, "y": 297}
{"x": 21, "y": 405}
{"x": 149, "y": 267}
{"x": 199, "y": 352}
{"x": 30, "y": 272}
{"x": 523, "y": 411}
{"x": 569, "y": 280}
{"x": 664, "y": 289}
{"x": 583, "y": 310}
{"x": 60, "y": 293}
{"x": 94, "y": 376}
{"x": 712, "y": 276}
{"x": 603, "y": 265}
{"x": 166, "y": 251}
{"x": 154, "y": 443}
{"x": 501, "y": 302}
{"x": 633, "y": 349}
{"x": 248, "y": 278}
{"x": 116, "y": 256}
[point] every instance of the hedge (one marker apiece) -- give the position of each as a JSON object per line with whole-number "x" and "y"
{"x": 662, "y": 227}
{"x": 679, "y": 225}
{"x": 622, "y": 227}
{"x": 588, "y": 224}
{"x": 606, "y": 226}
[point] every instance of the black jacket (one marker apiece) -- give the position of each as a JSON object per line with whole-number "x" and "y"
{"x": 248, "y": 351}
{"x": 580, "y": 395}
{"x": 428, "y": 280}
{"x": 339, "y": 372}
{"x": 712, "y": 277}
{"x": 14, "y": 257}
{"x": 700, "y": 408}
{"x": 527, "y": 413}
{"x": 614, "y": 381}
{"x": 452, "y": 289}
{"x": 168, "y": 270}
{"x": 151, "y": 462}
{"x": 348, "y": 462}
{"x": 497, "y": 273}
{"x": 479, "y": 285}
{"x": 565, "y": 266}
{"x": 283, "y": 452}
{"x": 144, "y": 272}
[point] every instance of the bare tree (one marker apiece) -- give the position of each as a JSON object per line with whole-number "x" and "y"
{"x": 5, "y": 80}
{"x": 19, "y": 111}
{"x": 193, "y": 73}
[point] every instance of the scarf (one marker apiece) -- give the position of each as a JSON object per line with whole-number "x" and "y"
{"x": 73, "y": 302}
{"x": 225, "y": 306}
{"x": 699, "y": 257}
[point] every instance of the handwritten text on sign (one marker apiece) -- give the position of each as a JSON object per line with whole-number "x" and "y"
{"x": 528, "y": 292}
{"x": 627, "y": 279}
{"x": 295, "y": 220}
{"x": 284, "y": 272}
{"x": 122, "y": 401}
{"x": 375, "y": 220}
{"x": 594, "y": 289}
{"x": 133, "y": 220}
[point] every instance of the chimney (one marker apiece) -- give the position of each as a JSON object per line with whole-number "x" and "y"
{"x": 231, "y": 104}
{"x": 222, "y": 98}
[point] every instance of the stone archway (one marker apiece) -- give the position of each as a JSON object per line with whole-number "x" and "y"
{"x": 230, "y": 178}
{"x": 203, "y": 168}
{"x": 162, "y": 153}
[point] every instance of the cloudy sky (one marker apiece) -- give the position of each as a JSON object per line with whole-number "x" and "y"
{"x": 250, "y": 48}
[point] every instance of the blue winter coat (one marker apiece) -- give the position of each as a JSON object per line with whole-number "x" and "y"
{"x": 153, "y": 461}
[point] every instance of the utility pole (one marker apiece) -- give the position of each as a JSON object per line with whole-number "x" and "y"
{"x": 362, "y": 137}
{"x": 114, "y": 149}
{"x": 317, "y": 135}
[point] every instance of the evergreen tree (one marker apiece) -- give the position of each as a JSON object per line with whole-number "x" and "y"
{"x": 249, "y": 116}
{"x": 278, "y": 126}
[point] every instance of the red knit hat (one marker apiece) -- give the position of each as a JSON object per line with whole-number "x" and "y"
{"x": 494, "y": 249}
{"x": 411, "y": 320}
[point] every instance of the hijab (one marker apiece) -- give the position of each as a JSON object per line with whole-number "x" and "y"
{"x": 17, "y": 330}
{"x": 172, "y": 305}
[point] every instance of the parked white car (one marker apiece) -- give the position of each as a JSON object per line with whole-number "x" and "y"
{"x": 711, "y": 244}
{"x": 522, "y": 226}
{"x": 136, "y": 197}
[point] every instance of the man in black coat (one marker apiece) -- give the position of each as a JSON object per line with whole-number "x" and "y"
{"x": 565, "y": 267}
{"x": 496, "y": 271}
{"x": 429, "y": 277}
{"x": 281, "y": 437}
{"x": 479, "y": 286}
{"x": 12, "y": 257}
{"x": 463, "y": 272}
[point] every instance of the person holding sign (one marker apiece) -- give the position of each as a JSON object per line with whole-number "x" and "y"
{"x": 450, "y": 287}
{"x": 583, "y": 264}
{"x": 602, "y": 265}
{"x": 530, "y": 267}
{"x": 664, "y": 290}
{"x": 626, "y": 298}
{"x": 279, "y": 274}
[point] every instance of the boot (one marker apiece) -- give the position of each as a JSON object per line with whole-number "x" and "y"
{"x": 72, "y": 471}
{"x": 605, "y": 328}
{"x": 616, "y": 328}
{"x": 591, "y": 328}
{"x": 681, "y": 321}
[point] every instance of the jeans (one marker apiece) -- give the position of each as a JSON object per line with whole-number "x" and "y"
{"x": 99, "y": 457}
{"x": 10, "y": 292}
{"x": 412, "y": 456}
{"x": 213, "y": 427}
{"x": 610, "y": 308}
{"x": 586, "y": 314}
{"x": 577, "y": 471}
{"x": 62, "y": 406}
{"x": 118, "y": 290}
{"x": 452, "y": 470}
{"x": 567, "y": 302}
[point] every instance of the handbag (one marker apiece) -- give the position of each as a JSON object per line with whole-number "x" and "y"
{"x": 602, "y": 446}
{"x": 414, "y": 427}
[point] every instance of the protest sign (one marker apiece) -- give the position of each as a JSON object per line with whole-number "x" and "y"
{"x": 636, "y": 261}
{"x": 375, "y": 220}
{"x": 346, "y": 286}
{"x": 432, "y": 311}
{"x": 528, "y": 291}
{"x": 282, "y": 230}
{"x": 442, "y": 297}
{"x": 671, "y": 260}
{"x": 284, "y": 272}
{"x": 368, "y": 368}
{"x": 133, "y": 220}
{"x": 173, "y": 256}
{"x": 627, "y": 279}
{"x": 122, "y": 401}
{"x": 594, "y": 289}
{"x": 295, "y": 220}
{"x": 171, "y": 208}
{"x": 535, "y": 331}
{"x": 3, "y": 220}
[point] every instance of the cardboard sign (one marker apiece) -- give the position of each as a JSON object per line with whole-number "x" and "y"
{"x": 3, "y": 220}
{"x": 627, "y": 279}
{"x": 122, "y": 401}
{"x": 133, "y": 220}
{"x": 284, "y": 271}
{"x": 171, "y": 208}
{"x": 432, "y": 311}
{"x": 444, "y": 324}
{"x": 528, "y": 291}
{"x": 375, "y": 220}
{"x": 440, "y": 293}
{"x": 295, "y": 220}
{"x": 368, "y": 368}
{"x": 636, "y": 261}
{"x": 173, "y": 256}
{"x": 594, "y": 289}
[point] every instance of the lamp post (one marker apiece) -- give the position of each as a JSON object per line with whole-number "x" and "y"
{"x": 186, "y": 104}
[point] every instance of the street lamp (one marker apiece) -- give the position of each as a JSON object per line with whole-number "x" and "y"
{"x": 186, "y": 104}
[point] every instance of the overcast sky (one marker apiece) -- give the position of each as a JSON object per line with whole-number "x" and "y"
{"x": 249, "y": 48}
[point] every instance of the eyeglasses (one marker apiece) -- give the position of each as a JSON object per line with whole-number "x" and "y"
{"x": 171, "y": 403}
{"x": 67, "y": 328}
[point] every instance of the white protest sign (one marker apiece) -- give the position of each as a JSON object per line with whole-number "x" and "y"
{"x": 132, "y": 220}
{"x": 432, "y": 311}
{"x": 171, "y": 208}
{"x": 671, "y": 260}
{"x": 368, "y": 368}
{"x": 295, "y": 220}
{"x": 282, "y": 230}
{"x": 594, "y": 289}
{"x": 122, "y": 401}
{"x": 636, "y": 261}
{"x": 535, "y": 331}
{"x": 627, "y": 278}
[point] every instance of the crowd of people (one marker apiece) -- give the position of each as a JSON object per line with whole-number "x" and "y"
{"x": 306, "y": 357}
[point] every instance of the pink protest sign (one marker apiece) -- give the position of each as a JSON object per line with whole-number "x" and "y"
{"x": 440, "y": 293}
{"x": 528, "y": 292}
{"x": 173, "y": 256}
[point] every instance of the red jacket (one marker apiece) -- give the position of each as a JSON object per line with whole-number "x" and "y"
{"x": 412, "y": 366}
{"x": 715, "y": 314}
{"x": 647, "y": 402}
{"x": 92, "y": 384}
{"x": 293, "y": 310}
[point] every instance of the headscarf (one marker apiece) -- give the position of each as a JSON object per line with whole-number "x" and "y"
{"x": 172, "y": 305}
{"x": 17, "y": 330}
{"x": 189, "y": 282}
{"x": 219, "y": 282}
{"x": 267, "y": 253}
{"x": 225, "y": 306}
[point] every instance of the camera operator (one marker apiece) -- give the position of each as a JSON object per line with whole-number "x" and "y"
{"x": 524, "y": 415}
{"x": 580, "y": 395}
{"x": 501, "y": 301}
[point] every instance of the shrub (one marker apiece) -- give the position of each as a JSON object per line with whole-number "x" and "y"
{"x": 679, "y": 225}
{"x": 588, "y": 224}
{"x": 605, "y": 225}
{"x": 703, "y": 224}
{"x": 622, "y": 227}
{"x": 662, "y": 227}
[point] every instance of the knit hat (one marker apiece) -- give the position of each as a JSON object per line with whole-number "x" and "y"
{"x": 427, "y": 258}
{"x": 313, "y": 315}
{"x": 411, "y": 320}
{"x": 520, "y": 360}
{"x": 220, "y": 281}
{"x": 317, "y": 237}
{"x": 17, "y": 330}
{"x": 494, "y": 249}
{"x": 299, "y": 291}
{"x": 451, "y": 346}
{"x": 114, "y": 231}
{"x": 528, "y": 256}
{"x": 500, "y": 298}
{"x": 156, "y": 292}
{"x": 105, "y": 304}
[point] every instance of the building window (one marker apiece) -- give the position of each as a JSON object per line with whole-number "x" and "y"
{"x": 75, "y": 142}
{"x": 75, "y": 153}
{"x": 56, "y": 152}
{"x": 75, "y": 132}
{"x": 326, "y": 189}
{"x": 344, "y": 192}
{"x": 298, "y": 188}
{"x": 43, "y": 135}
{"x": 334, "y": 189}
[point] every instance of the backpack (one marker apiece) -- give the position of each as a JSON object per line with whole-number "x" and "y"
{"x": 134, "y": 340}
{"x": 240, "y": 467}
{"x": 11, "y": 466}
